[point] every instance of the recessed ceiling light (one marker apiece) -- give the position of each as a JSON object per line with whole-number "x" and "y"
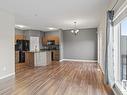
{"x": 21, "y": 27}
{"x": 52, "y": 28}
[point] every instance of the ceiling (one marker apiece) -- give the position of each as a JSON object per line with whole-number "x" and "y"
{"x": 60, "y": 14}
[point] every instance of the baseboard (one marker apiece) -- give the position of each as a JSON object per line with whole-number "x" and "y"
{"x": 101, "y": 68}
{"x": 61, "y": 60}
{"x": 12, "y": 74}
{"x": 78, "y": 60}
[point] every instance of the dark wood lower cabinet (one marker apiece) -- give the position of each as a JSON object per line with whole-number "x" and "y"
{"x": 29, "y": 60}
{"x": 55, "y": 55}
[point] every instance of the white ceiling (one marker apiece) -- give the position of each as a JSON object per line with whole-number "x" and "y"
{"x": 41, "y": 14}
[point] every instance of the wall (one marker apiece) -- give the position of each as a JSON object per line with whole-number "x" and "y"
{"x": 61, "y": 44}
{"x": 56, "y": 33}
{"x": 7, "y": 36}
{"x": 81, "y": 47}
{"x": 19, "y": 32}
{"x": 102, "y": 42}
{"x": 34, "y": 33}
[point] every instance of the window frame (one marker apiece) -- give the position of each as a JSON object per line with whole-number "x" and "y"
{"x": 117, "y": 55}
{"x": 120, "y": 47}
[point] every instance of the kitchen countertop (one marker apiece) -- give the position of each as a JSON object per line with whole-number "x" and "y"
{"x": 42, "y": 50}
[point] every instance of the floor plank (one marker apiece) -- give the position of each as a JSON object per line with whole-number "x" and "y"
{"x": 66, "y": 78}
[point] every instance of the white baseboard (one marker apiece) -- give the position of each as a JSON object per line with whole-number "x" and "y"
{"x": 78, "y": 60}
{"x": 61, "y": 60}
{"x": 12, "y": 74}
{"x": 101, "y": 68}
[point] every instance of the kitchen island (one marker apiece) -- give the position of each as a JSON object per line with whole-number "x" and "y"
{"x": 34, "y": 59}
{"x": 39, "y": 58}
{"x": 42, "y": 58}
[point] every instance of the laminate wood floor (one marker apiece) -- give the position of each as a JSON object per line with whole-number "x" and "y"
{"x": 66, "y": 78}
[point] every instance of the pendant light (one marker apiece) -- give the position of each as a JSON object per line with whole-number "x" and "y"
{"x": 75, "y": 31}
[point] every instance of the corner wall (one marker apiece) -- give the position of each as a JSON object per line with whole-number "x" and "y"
{"x": 7, "y": 54}
{"x": 61, "y": 44}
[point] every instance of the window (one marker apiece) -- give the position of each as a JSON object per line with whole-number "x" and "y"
{"x": 123, "y": 50}
{"x": 120, "y": 54}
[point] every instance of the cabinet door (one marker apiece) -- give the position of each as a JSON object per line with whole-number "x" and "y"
{"x": 27, "y": 58}
{"x": 30, "y": 59}
{"x": 19, "y": 37}
{"x": 48, "y": 57}
{"x": 51, "y": 37}
{"x": 43, "y": 58}
{"x": 37, "y": 59}
{"x": 17, "y": 57}
{"x": 56, "y": 55}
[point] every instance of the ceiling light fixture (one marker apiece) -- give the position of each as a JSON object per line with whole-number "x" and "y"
{"x": 75, "y": 31}
{"x": 21, "y": 26}
{"x": 51, "y": 28}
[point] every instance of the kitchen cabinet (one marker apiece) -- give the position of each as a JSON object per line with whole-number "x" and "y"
{"x": 19, "y": 37}
{"x": 18, "y": 66}
{"x": 29, "y": 59}
{"x": 16, "y": 57}
{"x": 42, "y": 58}
{"x": 55, "y": 55}
{"x": 50, "y": 37}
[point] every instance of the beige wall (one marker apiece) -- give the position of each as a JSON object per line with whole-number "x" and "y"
{"x": 7, "y": 61}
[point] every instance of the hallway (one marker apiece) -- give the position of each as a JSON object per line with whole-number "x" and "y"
{"x": 66, "y": 78}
